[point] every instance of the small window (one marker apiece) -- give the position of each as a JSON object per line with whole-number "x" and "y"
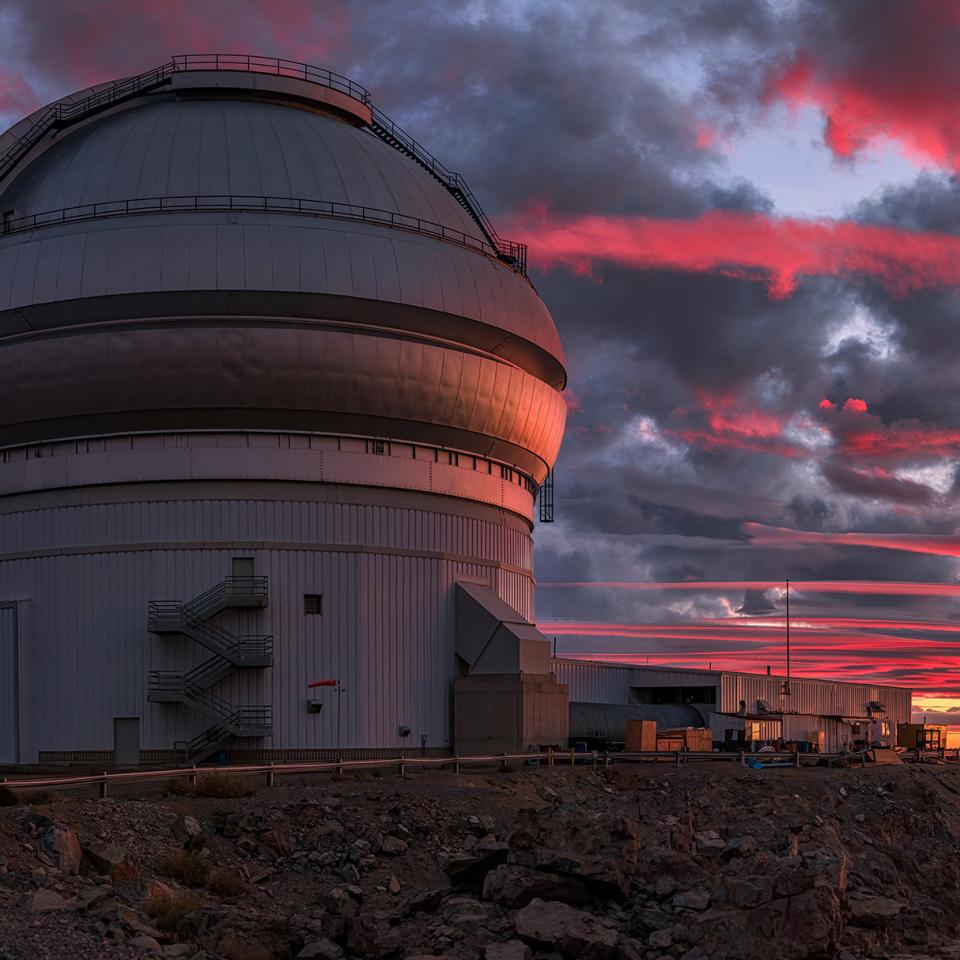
{"x": 313, "y": 603}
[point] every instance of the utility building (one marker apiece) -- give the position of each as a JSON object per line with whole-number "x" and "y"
{"x": 275, "y": 404}
{"x": 743, "y": 710}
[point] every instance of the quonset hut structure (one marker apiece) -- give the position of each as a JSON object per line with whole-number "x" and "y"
{"x": 275, "y": 403}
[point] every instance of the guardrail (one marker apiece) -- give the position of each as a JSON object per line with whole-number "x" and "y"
{"x": 513, "y": 254}
{"x": 546, "y": 760}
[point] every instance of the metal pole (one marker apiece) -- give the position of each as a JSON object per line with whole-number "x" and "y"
{"x": 339, "y": 698}
{"x": 788, "y": 638}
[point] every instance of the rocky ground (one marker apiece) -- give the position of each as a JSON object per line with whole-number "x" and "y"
{"x": 628, "y": 863}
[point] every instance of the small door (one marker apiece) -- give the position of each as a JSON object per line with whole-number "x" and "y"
{"x": 126, "y": 740}
{"x": 242, "y": 567}
{"x": 9, "y": 700}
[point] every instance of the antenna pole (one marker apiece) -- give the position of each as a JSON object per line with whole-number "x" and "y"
{"x": 788, "y": 639}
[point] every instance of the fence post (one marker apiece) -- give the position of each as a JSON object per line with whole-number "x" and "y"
{"x": 743, "y": 758}
{"x": 270, "y": 775}
{"x": 550, "y": 756}
{"x": 573, "y": 758}
{"x": 103, "y": 786}
{"x": 503, "y": 763}
{"x": 796, "y": 759}
{"x": 456, "y": 765}
{"x": 678, "y": 757}
{"x": 192, "y": 776}
{"x": 401, "y": 768}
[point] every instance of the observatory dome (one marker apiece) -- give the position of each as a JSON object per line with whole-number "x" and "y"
{"x": 236, "y": 250}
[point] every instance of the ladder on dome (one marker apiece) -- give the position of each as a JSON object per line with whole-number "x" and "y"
{"x": 230, "y": 653}
{"x": 545, "y": 498}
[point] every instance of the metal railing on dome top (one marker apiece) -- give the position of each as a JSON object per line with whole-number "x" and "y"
{"x": 243, "y": 204}
{"x": 63, "y": 113}
{"x": 277, "y": 66}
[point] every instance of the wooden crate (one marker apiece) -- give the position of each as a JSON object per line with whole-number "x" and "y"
{"x": 696, "y": 739}
{"x": 640, "y": 735}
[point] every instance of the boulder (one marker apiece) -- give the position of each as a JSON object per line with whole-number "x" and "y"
{"x": 47, "y": 901}
{"x": 874, "y": 911}
{"x": 372, "y": 936}
{"x": 709, "y": 843}
{"x": 188, "y": 832}
{"x": 179, "y": 951}
{"x": 321, "y": 950}
{"x": 63, "y": 849}
{"x": 739, "y": 847}
{"x": 661, "y": 939}
{"x": 393, "y": 846}
{"x": 510, "y": 950}
{"x": 470, "y": 868}
{"x": 573, "y": 933}
{"x": 696, "y": 899}
{"x": 513, "y": 886}
{"x": 278, "y": 840}
{"x": 595, "y": 847}
{"x": 147, "y": 945}
{"x": 88, "y": 900}
{"x": 106, "y": 857}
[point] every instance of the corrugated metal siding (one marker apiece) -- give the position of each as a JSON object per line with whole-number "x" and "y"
{"x": 594, "y": 682}
{"x": 9, "y": 700}
{"x": 386, "y": 631}
{"x": 611, "y": 683}
{"x": 821, "y": 697}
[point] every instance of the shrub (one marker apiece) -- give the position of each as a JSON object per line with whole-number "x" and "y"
{"x": 167, "y": 909}
{"x": 7, "y": 797}
{"x": 181, "y": 787}
{"x": 124, "y": 873}
{"x": 187, "y": 867}
{"x": 233, "y": 947}
{"x": 219, "y": 785}
{"x": 42, "y": 797}
{"x": 226, "y": 883}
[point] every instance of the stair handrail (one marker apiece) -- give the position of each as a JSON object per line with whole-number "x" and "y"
{"x": 452, "y": 180}
{"x": 62, "y": 113}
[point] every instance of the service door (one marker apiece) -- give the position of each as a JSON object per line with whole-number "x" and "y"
{"x": 9, "y": 693}
{"x": 126, "y": 740}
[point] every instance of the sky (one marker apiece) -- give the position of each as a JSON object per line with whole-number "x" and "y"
{"x": 745, "y": 218}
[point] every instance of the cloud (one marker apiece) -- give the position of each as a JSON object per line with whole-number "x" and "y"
{"x": 879, "y": 71}
{"x": 777, "y": 251}
{"x": 937, "y": 545}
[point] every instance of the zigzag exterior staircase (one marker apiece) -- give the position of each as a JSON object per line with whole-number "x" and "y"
{"x": 230, "y": 652}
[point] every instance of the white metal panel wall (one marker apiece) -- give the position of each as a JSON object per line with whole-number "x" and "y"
{"x": 386, "y": 631}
